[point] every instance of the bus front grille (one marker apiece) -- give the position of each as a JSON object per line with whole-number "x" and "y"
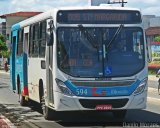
{"x": 92, "y": 103}
{"x": 102, "y": 84}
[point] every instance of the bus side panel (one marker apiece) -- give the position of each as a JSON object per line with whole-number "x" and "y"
{"x": 35, "y": 73}
{"x": 19, "y": 71}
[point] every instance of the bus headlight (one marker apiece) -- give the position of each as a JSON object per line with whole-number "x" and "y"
{"x": 141, "y": 87}
{"x": 63, "y": 88}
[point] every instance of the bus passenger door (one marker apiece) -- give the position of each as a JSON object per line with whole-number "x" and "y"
{"x": 12, "y": 60}
{"x": 49, "y": 64}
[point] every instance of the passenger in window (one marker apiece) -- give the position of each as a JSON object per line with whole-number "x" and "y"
{"x": 117, "y": 47}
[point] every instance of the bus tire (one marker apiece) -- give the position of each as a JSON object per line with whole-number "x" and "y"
{"x": 47, "y": 112}
{"x": 22, "y": 100}
{"x": 159, "y": 88}
{"x": 119, "y": 114}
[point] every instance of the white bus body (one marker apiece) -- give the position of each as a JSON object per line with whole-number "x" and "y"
{"x": 95, "y": 79}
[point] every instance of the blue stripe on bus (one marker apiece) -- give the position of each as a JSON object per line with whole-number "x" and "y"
{"x": 21, "y": 69}
{"x": 102, "y": 91}
{"x": 15, "y": 27}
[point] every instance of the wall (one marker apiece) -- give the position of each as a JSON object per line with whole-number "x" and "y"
{"x": 146, "y": 20}
{"x": 3, "y": 28}
{"x": 154, "y": 22}
{"x": 9, "y": 22}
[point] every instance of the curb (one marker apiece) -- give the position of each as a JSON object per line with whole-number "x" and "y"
{"x": 28, "y": 124}
{"x": 6, "y": 123}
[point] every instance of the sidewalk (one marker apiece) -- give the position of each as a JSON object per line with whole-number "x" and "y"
{"x": 153, "y": 77}
{"x": 4, "y": 72}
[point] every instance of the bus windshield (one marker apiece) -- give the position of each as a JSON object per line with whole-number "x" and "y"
{"x": 85, "y": 52}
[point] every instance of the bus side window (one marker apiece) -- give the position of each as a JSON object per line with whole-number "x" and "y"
{"x": 20, "y": 42}
{"x": 37, "y": 42}
{"x": 30, "y": 40}
{"x": 42, "y": 39}
{"x": 34, "y": 41}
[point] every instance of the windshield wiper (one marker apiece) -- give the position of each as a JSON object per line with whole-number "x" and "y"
{"x": 115, "y": 36}
{"x": 88, "y": 36}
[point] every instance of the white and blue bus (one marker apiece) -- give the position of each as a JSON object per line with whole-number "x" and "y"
{"x": 74, "y": 59}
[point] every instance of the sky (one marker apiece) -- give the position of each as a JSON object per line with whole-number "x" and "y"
{"x": 148, "y": 7}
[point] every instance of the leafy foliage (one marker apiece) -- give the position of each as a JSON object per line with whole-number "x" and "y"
{"x": 3, "y": 47}
{"x": 157, "y": 39}
{"x": 2, "y": 38}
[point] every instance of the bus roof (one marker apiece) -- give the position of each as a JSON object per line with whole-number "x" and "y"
{"x": 48, "y": 14}
{"x": 98, "y": 8}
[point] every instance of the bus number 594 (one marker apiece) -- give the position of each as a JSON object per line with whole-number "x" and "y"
{"x": 81, "y": 91}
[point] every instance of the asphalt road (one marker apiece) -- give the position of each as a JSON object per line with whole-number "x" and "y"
{"x": 149, "y": 117}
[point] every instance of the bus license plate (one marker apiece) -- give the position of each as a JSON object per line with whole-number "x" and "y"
{"x": 104, "y": 107}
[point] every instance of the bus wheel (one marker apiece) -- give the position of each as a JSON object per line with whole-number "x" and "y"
{"x": 22, "y": 100}
{"x": 120, "y": 114}
{"x": 159, "y": 88}
{"x": 47, "y": 113}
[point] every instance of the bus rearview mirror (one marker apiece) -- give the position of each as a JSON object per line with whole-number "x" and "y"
{"x": 50, "y": 37}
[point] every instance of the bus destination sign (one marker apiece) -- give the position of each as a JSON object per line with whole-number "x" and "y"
{"x": 99, "y": 17}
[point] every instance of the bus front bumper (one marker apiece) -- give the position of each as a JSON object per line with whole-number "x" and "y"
{"x": 74, "y": 103}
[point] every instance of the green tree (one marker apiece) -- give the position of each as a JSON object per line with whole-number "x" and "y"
{"x": 3, "y": 47}
{"x": 157, "y": 38}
